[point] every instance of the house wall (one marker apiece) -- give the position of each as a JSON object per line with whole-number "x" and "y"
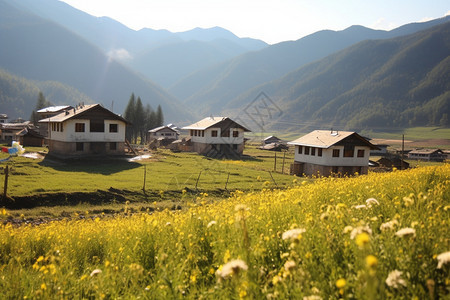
{"x": 69, "y": 149}
{"x": 165, "y": 132}
{"x": 68, "y": 133}
{"x": 327, "y": 158}
{"x": 228, "y": 150}
{"x": 209, "y": 139}
{"x": 309, "y": 169}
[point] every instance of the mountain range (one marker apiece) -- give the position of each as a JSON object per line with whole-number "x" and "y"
{"x": 355, "y": 78}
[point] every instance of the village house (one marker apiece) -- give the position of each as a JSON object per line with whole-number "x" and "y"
{"x": 167, "y": 132}
{"x": 3, "y": 118}
{"x": 325, "y": 152}
{"x": 427, "y": 155}
{"x": 29, "y": 137}
{"x": 86, "y": 130}
{"x": 217, "y": 136}
{"x": 9, "y": 131}
{"x": 49, "y": 112}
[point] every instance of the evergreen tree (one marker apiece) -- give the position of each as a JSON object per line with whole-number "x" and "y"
{"x": 139, "y": 120}
{"x": 129, "y": 116}
{"x": 149, "y": 118}
{"x": 40, "y": 104}
{"x": 159, "y": 116}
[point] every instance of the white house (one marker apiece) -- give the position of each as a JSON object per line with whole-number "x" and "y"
{"x": 166, "y": 132}
{"x": 324, "y": 152}
{"x": 217, "y": 136}
{"x": 86, "y": 130}
{"x": 427, "y": 155}
{"x": 49, "y": 112}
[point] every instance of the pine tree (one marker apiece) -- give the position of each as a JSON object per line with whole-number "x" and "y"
{"x": 40, "y": 104}
{"x": 139, "y": 120}
{"x": 149, "y": 118}
{"x": 159, "y": 116}
{"x": 129, "y": 116}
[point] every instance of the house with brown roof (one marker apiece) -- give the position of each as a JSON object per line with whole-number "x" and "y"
{"x": 86, "y": 130}
{"x": 325, "y": 152}
{"x": 427, "y": 155}
{"x": 217, "y": 136}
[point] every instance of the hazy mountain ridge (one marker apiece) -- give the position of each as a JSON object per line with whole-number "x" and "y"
{"x": 224, "y": 82}
{"x": 41, "y": 50}
{"x": 403, "y": 81}
{"x": 137, "y": 48}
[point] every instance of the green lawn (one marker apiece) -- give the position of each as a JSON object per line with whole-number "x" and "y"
{"x": 166, "y": 171}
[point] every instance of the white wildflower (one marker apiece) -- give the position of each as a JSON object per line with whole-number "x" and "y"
{"x": 360, "y": 229}
{"x": 212, "y": 223}
{"x": 395, "y": 279}
{"x": 347, "y": 229}
{"x": 406, "y": 232}
{"x": 443, "y": 258}
{"x": 361, "y": 206}
{"x": 232, "y": 267}
{"x": 289, "y": 265}
{"x": 372, "y": 201}
{"x": 312, "y": 297}
{"x": 293, "y": 233}
{"x": 95, "y": 272}
{"x": 389, "y": 225}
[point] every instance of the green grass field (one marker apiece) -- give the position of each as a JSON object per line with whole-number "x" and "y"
{"x": 380, "y": 236}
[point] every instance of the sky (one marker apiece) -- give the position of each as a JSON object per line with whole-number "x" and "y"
{"x": 272, "y": 21}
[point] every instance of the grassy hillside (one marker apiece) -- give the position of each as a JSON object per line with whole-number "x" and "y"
{"x": 378, "y": 84}
{"x": 18, "y": 95}
{"x": 381, "y": 236}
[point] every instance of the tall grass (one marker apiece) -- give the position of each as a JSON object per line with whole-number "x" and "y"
{"x": 317, "y": 240}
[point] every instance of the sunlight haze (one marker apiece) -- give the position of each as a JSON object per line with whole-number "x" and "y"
{"x": 271, "y": 21}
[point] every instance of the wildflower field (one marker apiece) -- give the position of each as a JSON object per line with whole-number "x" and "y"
{"x": 380, "y": 236}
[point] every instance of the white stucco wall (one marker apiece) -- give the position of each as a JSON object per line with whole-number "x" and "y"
{"x": 209, "y": 139}
{"x": 327, "y": 158}
{"x": 69, "y": 135}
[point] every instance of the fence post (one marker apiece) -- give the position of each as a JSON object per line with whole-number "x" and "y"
{"x": 5, "y": 186}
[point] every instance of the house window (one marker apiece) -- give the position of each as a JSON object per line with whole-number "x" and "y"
{"x": 235, "y": 133}
{"x": 203, "y": 133}
{"x": 300, "y": 149}
{"x": 349, "y": 151}
{"x": 319, "y": 152}
{"x": 79, "y": 127}
{"x": 80, "y": 146}
{"x": 225, "y": 133}
{"x": 97, "y": 126}
{"x": 306, "y": 150}
{"x": 335, "y": 152}
{"x": 313, "y": 151}
{"x": 360, "y": 153}
{"x": 214, "y": 133}
{"x": 112, "y": 146}
{"x": 191, "y": 132}
{"x": 113, "y": 128}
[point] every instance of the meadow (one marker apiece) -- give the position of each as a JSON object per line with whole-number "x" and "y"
{"x": 378, "y": 236}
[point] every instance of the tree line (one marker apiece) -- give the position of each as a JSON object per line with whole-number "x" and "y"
{"x": 142, "y": 119}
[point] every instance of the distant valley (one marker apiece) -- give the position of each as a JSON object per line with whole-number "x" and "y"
{"x": 357, "y": 78}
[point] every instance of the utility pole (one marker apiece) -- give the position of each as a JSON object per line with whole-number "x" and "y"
{"x": 403, "y": 151}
